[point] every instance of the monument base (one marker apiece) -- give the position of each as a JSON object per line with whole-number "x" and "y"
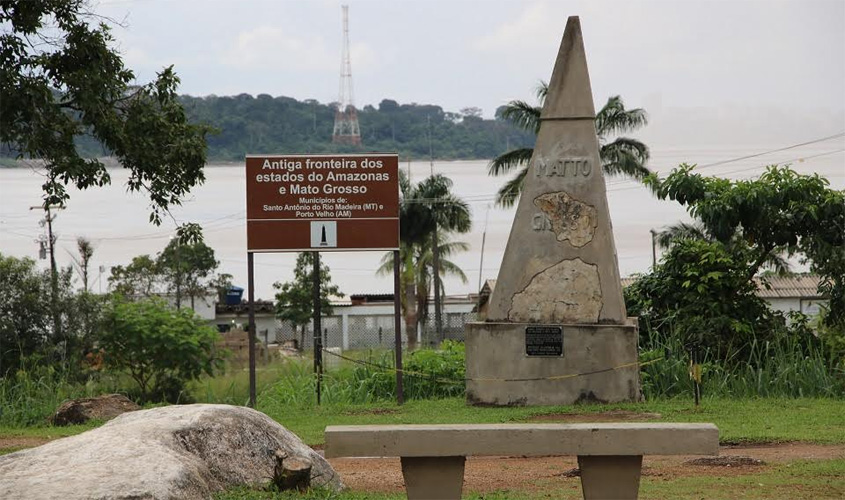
{"x": 501, "y": 372}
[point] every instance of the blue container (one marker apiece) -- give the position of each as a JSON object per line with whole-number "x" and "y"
{"x": 234, "y": 295}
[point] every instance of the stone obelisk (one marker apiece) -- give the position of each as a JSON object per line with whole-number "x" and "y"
{"x": 556, "y": 330}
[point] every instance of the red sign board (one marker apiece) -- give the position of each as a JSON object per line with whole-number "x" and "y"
{"x": 322, "y": 202}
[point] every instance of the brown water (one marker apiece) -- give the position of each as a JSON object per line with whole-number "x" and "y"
{"x": 116, "y": 221}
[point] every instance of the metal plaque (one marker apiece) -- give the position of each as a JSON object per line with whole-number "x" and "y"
{"x": 544, "y": 340}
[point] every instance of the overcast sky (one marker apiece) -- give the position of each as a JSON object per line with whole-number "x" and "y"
{"x": 716, "y": 55}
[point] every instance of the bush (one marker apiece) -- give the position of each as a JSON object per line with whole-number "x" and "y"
{"x": 159, "y": 347}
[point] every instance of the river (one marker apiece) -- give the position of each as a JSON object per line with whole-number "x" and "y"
{"x": 117, "y": 221}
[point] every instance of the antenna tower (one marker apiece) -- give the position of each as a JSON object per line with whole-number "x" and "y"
{"x": 346, "y": 129}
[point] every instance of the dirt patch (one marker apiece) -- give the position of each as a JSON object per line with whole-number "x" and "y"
{"x": 485, "y": 474}
{"x": 19, "y": 443}
{"x": 605, "y": 416}
{"x": 726, "y": 461}
{"x": 374, "y": 411}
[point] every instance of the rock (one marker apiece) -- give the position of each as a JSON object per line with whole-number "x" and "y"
{"x": 726, "y": 461}
{"x": 79, "y": 411}
{"x": 174, "y": 452}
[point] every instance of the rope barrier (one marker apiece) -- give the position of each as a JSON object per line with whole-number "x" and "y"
{"x": 459, "y": 381}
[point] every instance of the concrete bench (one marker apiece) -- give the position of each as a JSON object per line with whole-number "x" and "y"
{"x": 609, "y": 454}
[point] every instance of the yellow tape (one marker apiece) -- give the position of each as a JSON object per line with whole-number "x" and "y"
{"x": 456, "y": 381}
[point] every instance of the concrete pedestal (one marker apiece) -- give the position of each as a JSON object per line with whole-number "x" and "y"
{"x": 499, "y": 372}
{"x": 610, "y": 476}
{"x": 433, "y": 478}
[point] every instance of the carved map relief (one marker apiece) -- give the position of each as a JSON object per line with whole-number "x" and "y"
{"x": 568, "y": 292}
{"x": 567, "y": 217}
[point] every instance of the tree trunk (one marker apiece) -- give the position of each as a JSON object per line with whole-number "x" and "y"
{"x": 291, "y": 472}
{"x": 438, "y": 319}
{"x": 411, "y": 315}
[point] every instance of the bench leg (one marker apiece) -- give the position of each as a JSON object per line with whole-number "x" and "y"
{"x": 610, "y": 477}
{"x": 434, "y": 478}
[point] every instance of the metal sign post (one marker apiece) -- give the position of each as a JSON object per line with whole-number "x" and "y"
{"x": 318, "y": 336}
{"x": 397, "y": 328}
{"x": 251, "y": 327}
{"x": 321, "y": 203}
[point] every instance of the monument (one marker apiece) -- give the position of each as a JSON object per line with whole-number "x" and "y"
{"x": 556, "y": 330}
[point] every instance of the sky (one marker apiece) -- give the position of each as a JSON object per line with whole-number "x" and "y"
{"x": 766, "y": 58}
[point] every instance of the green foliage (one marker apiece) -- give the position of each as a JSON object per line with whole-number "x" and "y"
{"x": 265, "y": 123}
{"x": 792, "y": 364}
{"x": 61, "y": 79}
{"x": 26, "y": 322}
{"x": 183, "y": 269}
{"x": 295, "y": 299}
{"x": 781, "y": 212}
{"x": 704, "y": 293}
{"x": 160, "y": 348}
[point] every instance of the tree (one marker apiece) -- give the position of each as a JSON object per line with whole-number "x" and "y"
{"x": 140, "y": 278}
{"x": 86, "y": 251}
{"x": 416, "y": 271}
{"x": 24, "y": 312}
{"x": 426, "y": 210}
{"x": 188, "y": 269}
{"x": 182, "y": 269}
{"x": 701, "y": 293}
{"x": 295, "y": 299}
{"x": 622, "y": 156}
{"x": 159, "y": 347}
{"x": 61, "y": 80}
{"x": 755, "y": 221}
{"x": 781, "y": 212}
{"x": 670, "y": 236}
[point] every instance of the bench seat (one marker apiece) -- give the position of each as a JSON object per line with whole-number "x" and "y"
{"x": 609, "y": 454}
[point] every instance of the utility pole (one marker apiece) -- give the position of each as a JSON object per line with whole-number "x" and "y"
{"x": 438, "y": 319}
{"x": 653, "y": 248}
{"x": 54, "y": 276}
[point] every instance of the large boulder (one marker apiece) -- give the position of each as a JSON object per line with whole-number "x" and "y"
{"x": 79, "y": 411}
{"x": 174, "y": 452}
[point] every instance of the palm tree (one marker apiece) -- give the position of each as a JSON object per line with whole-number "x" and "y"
{"x": 417, "y": 268}
{"x": 776, "y": 262}
{"x": 622, "y": 156}
{"x": 427, "y": 210}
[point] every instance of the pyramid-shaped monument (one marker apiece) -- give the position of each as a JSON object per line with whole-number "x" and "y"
{"x": 556, "y": 330}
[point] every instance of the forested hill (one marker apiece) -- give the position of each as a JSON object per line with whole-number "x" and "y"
{"x": 266, "y": 124}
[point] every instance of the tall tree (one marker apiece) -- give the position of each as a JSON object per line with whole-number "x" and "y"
{"x": 62, "y": 79}
{"x": 427, "y": 210}
{"x": 189, "y": 269}
{"x": 781, "y": 212}
{"x": 622, "y": 156}
{"x": 295, "y": 299}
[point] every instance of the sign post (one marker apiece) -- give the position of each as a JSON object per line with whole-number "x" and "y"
{"x": 322, "y": 203}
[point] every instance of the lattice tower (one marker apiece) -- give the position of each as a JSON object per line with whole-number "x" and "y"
{"x": 346, "y": 128}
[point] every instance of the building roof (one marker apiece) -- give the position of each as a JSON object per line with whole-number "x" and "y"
{"x": 784, "y": 287}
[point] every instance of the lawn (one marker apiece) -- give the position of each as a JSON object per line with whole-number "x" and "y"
{"x": 746, "y": 420}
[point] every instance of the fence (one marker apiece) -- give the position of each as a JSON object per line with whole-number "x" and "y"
{"x": 370, "y": 331}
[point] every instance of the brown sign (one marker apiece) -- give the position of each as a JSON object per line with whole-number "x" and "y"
{"x": 322, "y": 202}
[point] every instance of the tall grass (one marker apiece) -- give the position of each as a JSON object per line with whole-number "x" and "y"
{"x": 30, "y": 396}
{"x": 785, "y": 367}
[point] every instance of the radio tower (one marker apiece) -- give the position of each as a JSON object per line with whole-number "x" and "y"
{"x": 346, "y": 129}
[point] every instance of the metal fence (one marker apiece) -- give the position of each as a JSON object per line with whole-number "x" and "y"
{"x": 369, "y": 331}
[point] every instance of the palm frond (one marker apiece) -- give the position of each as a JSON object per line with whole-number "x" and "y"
{"x": 625, "y": 156}
{"x": 778, "y": 263}
{"x": 509, "y": 193}
{"x": 449, "y": 268}
{"x": 613, "y": 118}
{"x": 506, "y": 162}
{"x": 542, "y": 91}
{"x": 523, "y": 115}
{"x": 681, "y": 230}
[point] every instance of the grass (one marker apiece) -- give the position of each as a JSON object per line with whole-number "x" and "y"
{"x": 745, "y": 420}
{"x": 798, "y": 480}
